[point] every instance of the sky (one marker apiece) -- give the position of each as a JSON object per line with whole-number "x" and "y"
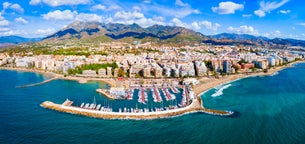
{"x": 269, "y": 18}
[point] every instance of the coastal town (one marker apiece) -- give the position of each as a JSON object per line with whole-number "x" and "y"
{"x": 188, "y": 70}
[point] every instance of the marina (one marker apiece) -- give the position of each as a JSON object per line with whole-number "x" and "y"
{"x": 189, "y": 104}
{"x": 142, "y": 96}
{"x": 156, "y": 94}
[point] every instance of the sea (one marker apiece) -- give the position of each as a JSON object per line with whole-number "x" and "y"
{"x": 270, "y": 110}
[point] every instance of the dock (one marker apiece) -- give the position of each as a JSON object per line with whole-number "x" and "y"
{"x": 156, "y": 94}
{"x": 105, "y": 93}
{"x": 142, "y": 96}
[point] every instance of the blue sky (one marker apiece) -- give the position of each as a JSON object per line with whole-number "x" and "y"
{"x": 270, "y": 18}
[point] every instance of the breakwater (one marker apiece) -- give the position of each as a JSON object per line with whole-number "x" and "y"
{"x": 195, "y": 106}
{"x": 35, "y": 84}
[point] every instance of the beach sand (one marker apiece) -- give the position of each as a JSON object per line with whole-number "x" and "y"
{"x": 206, "y": 83}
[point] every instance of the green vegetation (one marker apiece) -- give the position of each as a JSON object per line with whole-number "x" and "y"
{"x": 253, "y": 69}
{"x": 121, "y": 73}
{"x": 236, "y": 67}
{"x": 242, "y": 61}
{"x": 265, "y": 70}
{"x": 96, "y": 67}
{"x": 209, "y": 64}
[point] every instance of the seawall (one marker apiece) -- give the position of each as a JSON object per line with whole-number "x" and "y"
{"x": 194, "y": 107}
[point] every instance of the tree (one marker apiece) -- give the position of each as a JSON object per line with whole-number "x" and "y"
{"x": 241, "y": 61}
{"x": 121, "y": 72}
{"x": 236, "y": 67}
{"x": 253, "y": 69}
{"x": 209, "y": 64}
{"x": 265, "y": 70}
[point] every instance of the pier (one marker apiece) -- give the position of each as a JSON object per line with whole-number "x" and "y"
{"x": 36, "y": 84}
{"x": 105, "y": 93}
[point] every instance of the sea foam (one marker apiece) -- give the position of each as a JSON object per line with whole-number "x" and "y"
{"x": 219, "y": 92}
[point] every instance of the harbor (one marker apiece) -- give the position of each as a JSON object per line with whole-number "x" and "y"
{"x": 188, "y": 103}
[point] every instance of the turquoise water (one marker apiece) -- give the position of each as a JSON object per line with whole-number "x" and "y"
{"x": 271, "y": 110}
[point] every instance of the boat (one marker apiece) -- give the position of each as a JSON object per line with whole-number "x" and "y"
{"x": 129, "y": 94}
{"x": 98, "y": 106}
{"x": 82, "y": 105}
{"x": 142, "y": 96}
{"x": 87, "y": 105}
{"x": 174, "y": 89}
{"x": 157, "y": 94}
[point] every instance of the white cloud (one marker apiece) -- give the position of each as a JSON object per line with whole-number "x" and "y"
{"x": 181, "y": 13}
{"x": 6, "y": 5}
{"x": 44, "y": 32}
{"x": 3, "y": 21}
{"x": 60, "y": 15}
{"x": 196, "y": 11}
{"x": 247, "y": 15}
{"x": 166, "y": 11}
{"x": 136, "y": 8}
{"x": 285, "y": 11}
{"x": 56, "y": 3}
{"x": 180, "y": 3}
{"x": 135, "y": 17}
{"x": 195, "y": 25}
{"x": 209, "y": 25}
{"x": 69, "y": 15}
{"x": 266, "y": 35}
{"x": 227, "y": 8}
{"x": 114, "y": 7}
{"x": 12, "y": 32}
{"x": 302, "y": 24}
{"x": 267, "y": 7}
{"x": 21, "y": 20}
{"x": 4, "y": 29}
{"x": 147, "y": 1}
{"x": 107, "y": 8}
{"x": 277, "y": 32}
{"x": 128, "y": 15}
{"x": 244, "y": 29}
{"x": 35, "y": 2}
{"x": 178, "y": 22}
{"x": 15, "y": 7}
{"x": 89, "y": 17}
{"x": 99, "y": 7}
{"x": 260, "y": 13}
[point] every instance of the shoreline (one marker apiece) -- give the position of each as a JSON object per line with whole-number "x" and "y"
{"x": 195, "y": 106}
{"x": 200, "y": 89}
{"x": 81, "y": 80}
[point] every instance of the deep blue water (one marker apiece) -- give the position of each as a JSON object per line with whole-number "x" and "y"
{"x": 271, "y": 110}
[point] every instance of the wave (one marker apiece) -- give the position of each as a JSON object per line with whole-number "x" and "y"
{"x": 219, "y": 92}
{"x": 274, "y": 74}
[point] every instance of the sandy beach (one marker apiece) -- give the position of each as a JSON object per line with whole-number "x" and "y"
{"x": 207, "y": 83}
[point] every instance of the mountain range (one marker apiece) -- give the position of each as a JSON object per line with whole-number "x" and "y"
{"x": 95, "y": 31}
{"x": 17, "y": 39}
{"x": 114, "y": 31}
